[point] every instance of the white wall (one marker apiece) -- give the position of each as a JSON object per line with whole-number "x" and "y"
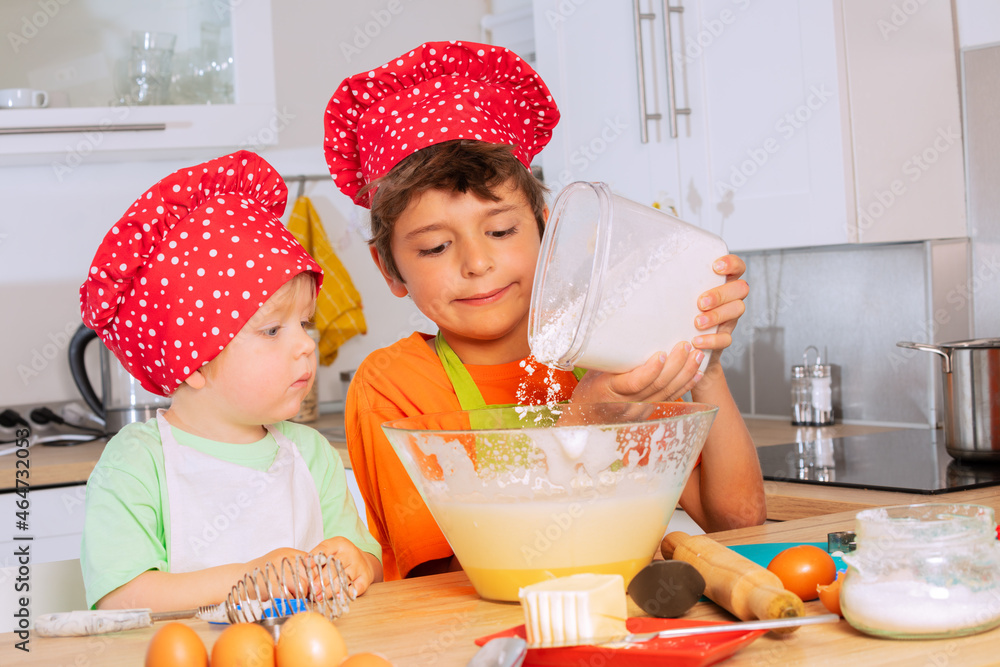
{"x": 978, "y": 22}
{"x": 49, "y": 230}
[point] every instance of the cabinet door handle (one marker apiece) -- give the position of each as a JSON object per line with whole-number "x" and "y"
{"x": 668, "y": 44}
{"x": 56, "y": 129}
{"x": 640, "y": 68}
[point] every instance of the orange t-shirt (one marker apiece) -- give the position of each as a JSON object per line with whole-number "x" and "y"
{"x": 403, "y": 380}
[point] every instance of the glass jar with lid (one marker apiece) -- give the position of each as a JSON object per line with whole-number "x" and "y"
{"x": 923, "y": 572}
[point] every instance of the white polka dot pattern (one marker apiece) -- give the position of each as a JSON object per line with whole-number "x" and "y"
{"x": 188, "y": 264}
{"x": 437, "y": 92}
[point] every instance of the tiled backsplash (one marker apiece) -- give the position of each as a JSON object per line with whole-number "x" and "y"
{"x": 854, "y": 304}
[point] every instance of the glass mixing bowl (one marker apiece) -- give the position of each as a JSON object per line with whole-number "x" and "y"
{"x": 529, "y": 493}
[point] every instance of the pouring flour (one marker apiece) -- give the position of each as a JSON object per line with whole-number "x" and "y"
{"x": 616, "y": 281}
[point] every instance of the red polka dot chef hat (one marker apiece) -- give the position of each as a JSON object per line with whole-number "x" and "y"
{"x": 437, "y": 92}
{"x": 188, "y": 264}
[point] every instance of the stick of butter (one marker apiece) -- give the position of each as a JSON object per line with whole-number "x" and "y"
{"x": 574, "y": 609}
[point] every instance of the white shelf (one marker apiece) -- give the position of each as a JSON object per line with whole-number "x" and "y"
{"x": 67, "y": 136}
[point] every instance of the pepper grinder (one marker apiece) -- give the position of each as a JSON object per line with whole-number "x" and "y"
{"x": 812, "y": 392}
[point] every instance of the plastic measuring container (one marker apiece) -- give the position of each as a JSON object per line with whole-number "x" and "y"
{"x": 616, "y": 281}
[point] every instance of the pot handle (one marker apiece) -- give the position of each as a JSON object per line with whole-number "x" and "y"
{"x": 945, "y": 354}
{"x": 77, "y": 346}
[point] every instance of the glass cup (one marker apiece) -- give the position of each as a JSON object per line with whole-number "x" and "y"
{"x": 144, "y": 77}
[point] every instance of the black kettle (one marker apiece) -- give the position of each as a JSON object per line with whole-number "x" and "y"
{"x": 123, "y": 400}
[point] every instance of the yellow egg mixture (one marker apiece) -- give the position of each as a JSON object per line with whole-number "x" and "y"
{"x": 504, "y": 546}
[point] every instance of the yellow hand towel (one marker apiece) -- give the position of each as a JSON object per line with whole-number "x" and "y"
{"x": 338, "y": 305}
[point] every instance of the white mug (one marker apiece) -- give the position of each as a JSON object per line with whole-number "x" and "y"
{"x": 23, "y": 98}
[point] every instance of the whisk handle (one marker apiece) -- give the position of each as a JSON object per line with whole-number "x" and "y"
{"x": 99, "y": 622}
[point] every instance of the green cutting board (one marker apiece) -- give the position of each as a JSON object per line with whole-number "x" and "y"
{"x": 763, "y": 553}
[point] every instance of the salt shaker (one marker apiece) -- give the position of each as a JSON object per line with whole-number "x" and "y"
{"x": 812, "y": 392}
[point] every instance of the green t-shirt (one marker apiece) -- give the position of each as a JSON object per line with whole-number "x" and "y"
{"x": 127, "y": 512}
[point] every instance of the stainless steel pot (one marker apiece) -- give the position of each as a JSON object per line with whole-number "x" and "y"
{"x": 971, "y": 375}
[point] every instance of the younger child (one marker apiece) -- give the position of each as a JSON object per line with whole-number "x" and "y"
{"x": 204, "y": 296}
{"x": 437, "y": 143}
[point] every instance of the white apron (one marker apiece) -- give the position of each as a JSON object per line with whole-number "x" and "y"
{"x": 223, "y": 512}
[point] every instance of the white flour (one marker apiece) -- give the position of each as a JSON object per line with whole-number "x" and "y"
{"x": 553, "y": 388}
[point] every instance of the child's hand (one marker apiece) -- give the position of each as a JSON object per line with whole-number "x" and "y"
{"x": 661, "y": 378}
{"x": 722, "y": 306}
{"x": 357, "y": 564}
{"x": 273, "y": 557}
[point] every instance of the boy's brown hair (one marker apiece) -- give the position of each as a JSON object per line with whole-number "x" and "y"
{"x": 462, "y": 166}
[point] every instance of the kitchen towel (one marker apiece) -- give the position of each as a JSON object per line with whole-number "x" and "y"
{"x": 338, "y": 305}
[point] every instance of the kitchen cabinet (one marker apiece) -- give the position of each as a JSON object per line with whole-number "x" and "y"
{"x": 75, "y": 52}
{"x": 55, "y": 524}
{"x": 587, "y": 54}
{"x": 798, "y": 123}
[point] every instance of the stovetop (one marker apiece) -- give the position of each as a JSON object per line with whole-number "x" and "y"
{"x": 911, "y": 460}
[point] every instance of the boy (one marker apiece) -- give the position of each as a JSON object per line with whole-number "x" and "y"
{"x": 437, "y": 143}
{"x": 204, "y": 296}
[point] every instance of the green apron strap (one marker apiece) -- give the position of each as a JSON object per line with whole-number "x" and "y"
{"x": 469, "y": 396}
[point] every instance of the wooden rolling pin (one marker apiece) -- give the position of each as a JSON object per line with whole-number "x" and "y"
{"x": 735, "y": 583}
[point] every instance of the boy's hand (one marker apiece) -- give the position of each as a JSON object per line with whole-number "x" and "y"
{"x": 722, "y": 306}
{"x": 662, "y": 378}
{"x": 358, "y": 565}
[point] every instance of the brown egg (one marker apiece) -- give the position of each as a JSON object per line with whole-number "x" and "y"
{"x": 309, "y": 639}
{"x": 243, "y": 645}
{"x": 366, "y": 660}
{"x": 176, "y": 645}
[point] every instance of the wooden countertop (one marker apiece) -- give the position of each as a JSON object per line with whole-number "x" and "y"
{"x": 434, "y": 621}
